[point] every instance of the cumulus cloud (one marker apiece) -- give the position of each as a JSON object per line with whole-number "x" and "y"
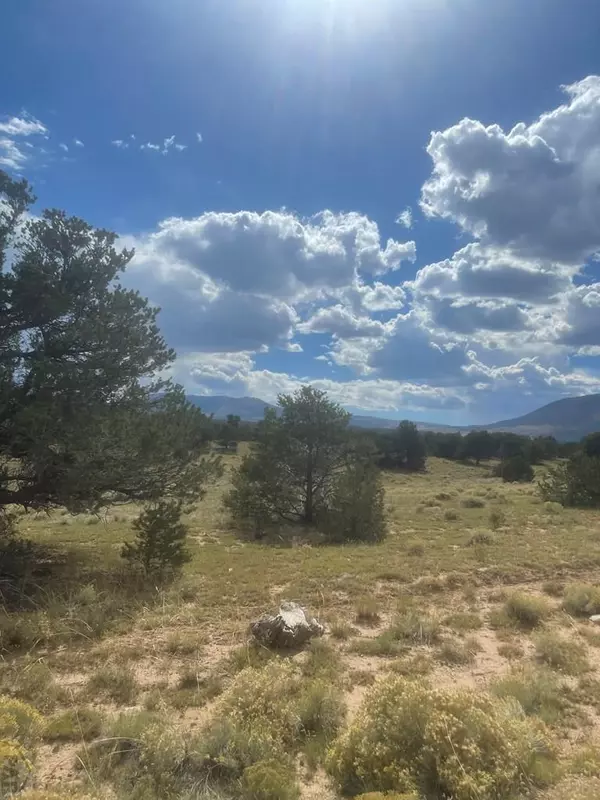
{"x": 410, "y": 353}
{"x": 466, "y": 317}
{"x": 198, "y": 315}
{"x": 120, "y": 144}
{"x": 534, "y": 188}
{"x": 64, "y": 147}
{"x": 237, "y": 374}
{"x": 78, "y": 143}
{"x": 341, "y": 322}
{"x": 277, "y": 253}
{"x": 581, "y": 321}
{"x": 488, "y": 272}
{"x": 199, "y": 138}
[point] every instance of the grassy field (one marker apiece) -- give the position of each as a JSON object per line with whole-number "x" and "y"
{"x": 478, "y": 585}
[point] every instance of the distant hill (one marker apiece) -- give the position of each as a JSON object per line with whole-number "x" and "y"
{"x": 568, "y": 419}
{"x": 250, "y": 409}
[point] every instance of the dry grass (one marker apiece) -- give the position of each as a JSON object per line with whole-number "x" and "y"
{"x": 89, "y": 637}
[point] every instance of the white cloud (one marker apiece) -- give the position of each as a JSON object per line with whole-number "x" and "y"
{"x": 277, "y": 253}
{"x": 405, "y": 218}
{"x": 78, "y": 143}
{"x": 533, "y": 189}
{"x": 581, "y": 320}
{"x": 466, "y": 317}
{"x": 341, "y": 322}
{"x": 64, "y": 147}
{"x": 165, "y": 148}
{"x": 487, "y": 272}
{"x": 381, "y": 297}
{"x": 11, "y": 155}
{"x": 121, "y": 144}
{"x": 237, "y": 374}
{"x": 15, "y": 153}
{"x": 23, "y": 126}
{"x": 199, "y": 138}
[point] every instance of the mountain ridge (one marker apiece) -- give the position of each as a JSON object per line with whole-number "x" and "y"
{"x": 568, "y": 419}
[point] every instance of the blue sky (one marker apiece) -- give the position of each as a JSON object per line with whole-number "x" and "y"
{"x": 260, "y": 154}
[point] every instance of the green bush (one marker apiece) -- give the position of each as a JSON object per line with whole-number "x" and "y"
{"x": 581, "y": 599}
{"x": 575, "y": 482}
{"x": 516, "y": 469}
{"x": 159, "y": 546}
{"x": 73, "y": 725}
{"x": 527, "y": 610}
{"x": 408, "y": 737}
{"x": 559, "y": 653}
{"x": 538, "y": 691}
{"x": 355, "y": 511}
{"x": 472, "y": 502}
{"x": 269, "y": 780}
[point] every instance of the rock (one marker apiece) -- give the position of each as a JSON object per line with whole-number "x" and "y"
{"x": 290, "y": 628}
{"x": 595, "y": 618}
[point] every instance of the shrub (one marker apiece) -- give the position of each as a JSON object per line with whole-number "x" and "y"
{"x": 538, "y": 691}
{"x": 481, "y": 537}
{"x": 527, "y": 610}
{"x": 575, "y": 482}
{"x": 497, "y": 519}
{"x": 74, "y": 724}
{"x": 269, "y": 780}
{"x": 355, "y": 511}
{"x": 367, "y": 611}
{"x": 463, "y": 621}
{"x": 15, "y": 768}
{"x": 516, "y": 469}
{"x": 342, "y": 630}
{"x": 472, "y": 502}
{"x": 159, "y": 545}
{"x": 455, "y": 652}
{"x": 581, "y": 600}
{"x": 410, "y": 738}
{"x": 19, "y": 721}
{"x": 415, "y": 549}
{"x": 322, "y": 661}
{"x": 113, "y": 683}
{"x": 554, "y": 587}
{"x": 321, "y": 710}
{"x": 560, "y": 653}
{"x": 417, "y": 665}
{"x": 18, "y": 631}
{"x": 510, "y": 650}
{"x": 450, "y": 515}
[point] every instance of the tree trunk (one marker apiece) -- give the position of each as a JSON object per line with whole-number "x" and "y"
{"x": 308, "y": 501}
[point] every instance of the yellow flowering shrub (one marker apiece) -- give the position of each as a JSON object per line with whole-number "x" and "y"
{"x": 408, "y": 737}
{"x": 267, "y": 698}
{"x": 19, "y": 721}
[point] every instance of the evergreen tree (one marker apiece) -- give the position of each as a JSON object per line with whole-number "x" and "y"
{"x": 83, "y": 418}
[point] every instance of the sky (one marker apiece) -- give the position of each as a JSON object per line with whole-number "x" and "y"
{"x": 395, "y": 200}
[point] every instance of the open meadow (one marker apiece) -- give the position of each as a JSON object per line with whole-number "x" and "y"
{"x": 479, "y": 586}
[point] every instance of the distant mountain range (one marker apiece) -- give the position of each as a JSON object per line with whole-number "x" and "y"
{"x": 568, "y": 419}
